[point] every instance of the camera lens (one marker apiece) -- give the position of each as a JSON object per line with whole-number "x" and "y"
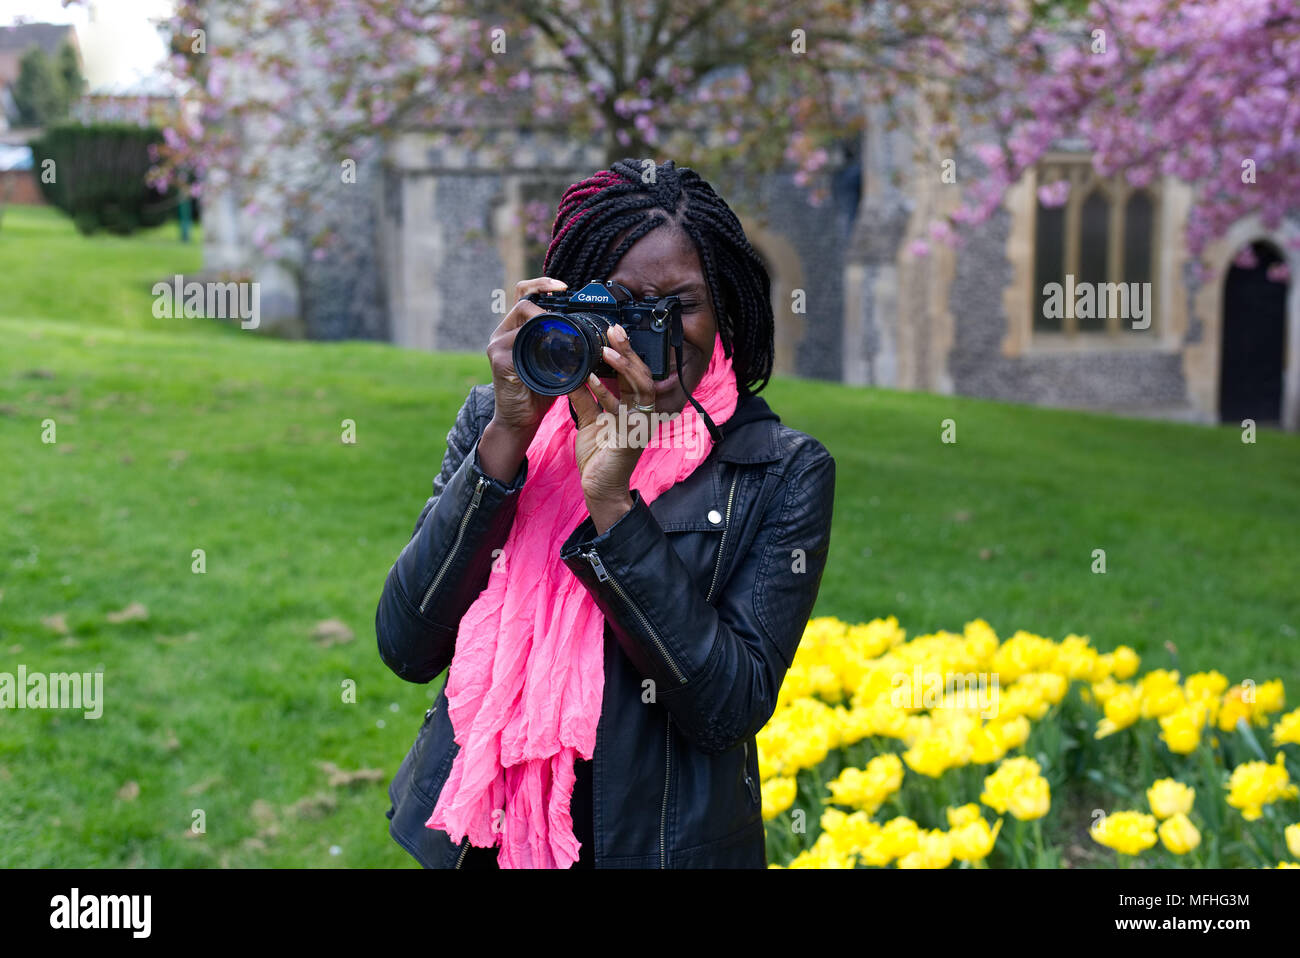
{"x": 552, "y": 354}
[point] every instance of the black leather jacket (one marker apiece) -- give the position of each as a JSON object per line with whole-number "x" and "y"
{"x": 705, "y": 593}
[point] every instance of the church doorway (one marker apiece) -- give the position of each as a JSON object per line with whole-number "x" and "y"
{"x": 1254, "y": 331}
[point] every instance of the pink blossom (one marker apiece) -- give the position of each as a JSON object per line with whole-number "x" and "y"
{"x": 941, "y": 232}
{"x": 1054, "y": 194}
{"x": 990, "y": 154}
{"x": 1245, "y": 258}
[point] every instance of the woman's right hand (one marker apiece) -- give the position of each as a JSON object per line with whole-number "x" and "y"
{"x": 519, "y": 410}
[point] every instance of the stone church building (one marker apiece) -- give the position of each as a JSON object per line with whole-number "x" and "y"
{"x": 438, "y": 233}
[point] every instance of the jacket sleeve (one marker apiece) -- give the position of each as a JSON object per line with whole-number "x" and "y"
{"x": 446, "y": 563}
{"x": 716, "y": 670}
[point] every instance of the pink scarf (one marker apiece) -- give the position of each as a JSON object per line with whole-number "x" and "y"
{"x": 525, "y": 685}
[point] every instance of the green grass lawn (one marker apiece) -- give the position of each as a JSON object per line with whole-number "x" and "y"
{"x": 202, "y": 436}
{"x": 50, "y": 271}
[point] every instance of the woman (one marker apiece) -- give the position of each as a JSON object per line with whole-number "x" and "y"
{"x": 617, "y": 614}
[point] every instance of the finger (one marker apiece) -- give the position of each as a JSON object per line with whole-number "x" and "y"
{"x": 634, "y": 379}
{"x": 584, "y": 405}
{"x": 524, "y": 308}
{"x": 520, "y": 313}
{"x": 542, "y": 284}
{"x": 608, "y": 401}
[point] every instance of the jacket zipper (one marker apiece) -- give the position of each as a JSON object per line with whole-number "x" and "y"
{"x": 460, "y": 534}
{"x": 726, "y": 526}
{"x": 749, "y": 782}
{"x": 604, "y": 576}
{"x": 668, "y": 767}
{"x": 464, "y": 845}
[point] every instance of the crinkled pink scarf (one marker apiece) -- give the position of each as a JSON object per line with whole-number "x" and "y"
{"x": 525, "y": 685}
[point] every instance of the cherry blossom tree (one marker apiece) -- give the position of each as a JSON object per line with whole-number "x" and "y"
{"x": 1195, "y": 88}
{"x": 1203, "y": 90}
{"x": 713, "y": 83}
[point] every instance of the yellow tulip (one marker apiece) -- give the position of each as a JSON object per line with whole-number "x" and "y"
{"x": 1160, "y": 693}
{"x": 1287, "y": 730}
{"x": 1293, "y": 839}
{"x": 1030, "y": 799}
{"x": 999, "y": 785}
{"x": 963, "y": 815}
{"x": 1179, "y": 835}
{"x": 1206, "y": 685}
{"x": 1012, "y": 733}
{"x": 1163, "y": 701}
{"x": 1126, "y": 663}
{"x": 933, "y": 755}
{"x": 1023, "y": 698}
{"x": 1128, "y": 832}
{"x": 1075, "y": 659}
{"x": 1181, "y": 730}
{"x": 1104, "y": 689}
{"x": 899, "y": 837}
{"x": 932, "y": 851}
{"x": 1256, "y": 784}
{"x": 974, "y": 840}
{"x": 1168, "y": 797}
{"x": 778, "y": 794}
{"x": 1270, "y": 697}
{"x": 986, "y": 745}
{"x": 1234, "y": 707}
{"x": 1123, "y": 708}
{"x": 884, "y": 776}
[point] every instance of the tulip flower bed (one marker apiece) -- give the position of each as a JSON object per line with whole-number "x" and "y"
{"x": 963, "y": 750}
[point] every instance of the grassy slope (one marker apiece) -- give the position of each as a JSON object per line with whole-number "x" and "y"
{"x": 50, "y": 271}
{"x": 220, "y": 700}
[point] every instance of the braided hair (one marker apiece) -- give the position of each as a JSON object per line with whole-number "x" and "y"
{"x": 616, "y": 202}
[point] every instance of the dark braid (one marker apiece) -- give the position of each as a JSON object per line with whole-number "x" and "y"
{"x": 615, "y": 203}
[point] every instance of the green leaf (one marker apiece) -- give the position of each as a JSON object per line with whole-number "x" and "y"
{"x": 1111, "y": 785}
{"x": 1249, "y": 736}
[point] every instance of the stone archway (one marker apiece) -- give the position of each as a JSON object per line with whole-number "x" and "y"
{"x": 785, "y": 270}
{"x": 1203, "y": 359}
{"x": 1253, "y": 337}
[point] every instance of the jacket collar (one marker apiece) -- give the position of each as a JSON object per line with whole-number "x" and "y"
{"x": 750, "y": 434}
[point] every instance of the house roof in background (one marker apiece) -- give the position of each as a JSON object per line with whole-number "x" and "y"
{"x": 48, "y": 36}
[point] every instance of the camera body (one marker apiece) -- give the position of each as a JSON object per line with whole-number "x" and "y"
{"x": 556, "y": 350}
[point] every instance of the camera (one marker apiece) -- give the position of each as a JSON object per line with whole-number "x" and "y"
{"x": 555, "y": 351}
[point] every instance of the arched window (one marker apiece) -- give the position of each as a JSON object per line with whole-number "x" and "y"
{"x": 1049, "y": 262}
{"x": 1139, "y": 228}
{"x": 1094, "y": 256}
{"x": 1094, "y": 242}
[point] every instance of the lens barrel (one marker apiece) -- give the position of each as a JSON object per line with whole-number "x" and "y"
{"x": 554, "y": 353}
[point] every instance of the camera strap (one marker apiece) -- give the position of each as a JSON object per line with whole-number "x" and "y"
{"x": 677, "y": 336}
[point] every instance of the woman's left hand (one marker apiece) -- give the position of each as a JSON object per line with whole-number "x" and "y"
{"x": 605, "y": 457}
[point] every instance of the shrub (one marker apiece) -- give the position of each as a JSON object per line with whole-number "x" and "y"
{"x": 99, "y": 176}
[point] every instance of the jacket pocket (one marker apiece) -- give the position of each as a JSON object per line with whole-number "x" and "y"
{"x": 433, "y": 752}
{"x": 698, "y": 528}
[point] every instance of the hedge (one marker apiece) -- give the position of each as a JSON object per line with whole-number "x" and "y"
{"x": 99, "y": 176}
